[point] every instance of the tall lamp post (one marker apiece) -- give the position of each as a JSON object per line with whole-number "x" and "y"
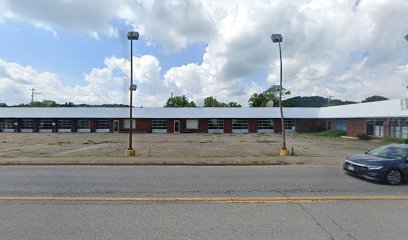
{"x": 277, "y": 38}
{"x": 131, "y": 36}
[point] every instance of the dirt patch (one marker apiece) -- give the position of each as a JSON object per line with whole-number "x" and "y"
{"x": 108, "y": 148}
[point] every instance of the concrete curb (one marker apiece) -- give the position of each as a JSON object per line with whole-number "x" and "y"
{"x": 172, "y": 161}
{"x": 144, "y": 164}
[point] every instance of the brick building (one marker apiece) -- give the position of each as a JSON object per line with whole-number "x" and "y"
{"x": 378, "y": 119}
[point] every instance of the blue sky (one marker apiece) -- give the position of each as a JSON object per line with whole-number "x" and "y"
{"x": 77, "y": 50}
{"x": 73, "y": 54}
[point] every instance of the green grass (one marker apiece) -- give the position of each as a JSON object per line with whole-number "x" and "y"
{"x": 261, "y": 134}
{"x": 331, "y": 133}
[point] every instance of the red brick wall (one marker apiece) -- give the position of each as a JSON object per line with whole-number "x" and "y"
{"x": 170, "y": 125}
{"x": 307, "y": 125}
{"x": 228, "y": 125}
{"x": 277, "y": 125}
{"x": 183, "y": 125}
{"x": 36, "y": 125}
{"x": 92, "y": 125}
{"x": 355, "y": 127}
{"x": 73, "y": 125}
{"x": 143, "y": 125}
{"x": 110, "y": 125}
{"x": 203, "y": 125}
{"x": 252, "y": 125}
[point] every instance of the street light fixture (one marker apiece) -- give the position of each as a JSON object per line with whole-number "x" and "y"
{"x": 277, "y": 38}
{"x": 131, "y": 36}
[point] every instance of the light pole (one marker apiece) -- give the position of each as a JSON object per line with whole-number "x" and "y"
{"x": 131, "y": 36}
{"x": 278, "y": 38}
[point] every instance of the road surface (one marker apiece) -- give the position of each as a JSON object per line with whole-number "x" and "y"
{"x": 265, "y": 202}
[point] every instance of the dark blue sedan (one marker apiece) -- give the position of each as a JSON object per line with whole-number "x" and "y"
{"x": 387, "y": 163}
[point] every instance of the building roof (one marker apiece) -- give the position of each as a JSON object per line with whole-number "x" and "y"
{"x": 380, "y": 109}
{"x": 84, "y": 112}
{"x": 389, "y": 108}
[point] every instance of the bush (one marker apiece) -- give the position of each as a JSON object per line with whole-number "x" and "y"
{"x": 395, "y": 140}
{"x": 318, "y": 128}
{"x": 332, "y": 133}
{"x": 363, "y": 136}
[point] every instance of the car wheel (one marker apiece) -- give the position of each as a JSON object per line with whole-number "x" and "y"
{"x": 394, "y": 177}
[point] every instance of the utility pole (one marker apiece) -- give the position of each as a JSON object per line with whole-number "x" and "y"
{"x": 329, "y": 101}
{"x": 33, "y": 92}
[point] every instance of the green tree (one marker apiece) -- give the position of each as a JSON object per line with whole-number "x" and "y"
{"x": 211, "y": 102}
{"x": 3, "y": 105}
{"x": 179, "y": 101}
{"x": 313, "y": 101}
{"x": 234, "y": 104}
{"x": 271, "y": 94}
{"x": 375, "y": 98}
{"x": 45, "y": 103}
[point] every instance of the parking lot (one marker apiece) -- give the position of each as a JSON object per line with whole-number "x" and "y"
{"x": 108, "y": 148}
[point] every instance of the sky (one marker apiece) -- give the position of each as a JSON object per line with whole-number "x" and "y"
{"x": 77, "y": 50}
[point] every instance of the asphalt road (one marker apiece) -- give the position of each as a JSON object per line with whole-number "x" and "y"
{"x": 114, "y": 218}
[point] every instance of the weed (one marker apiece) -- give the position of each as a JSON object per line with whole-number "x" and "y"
{"x": 268, "y": 154}
{"x": 265, "y": 141}
{"x": 149, "y": 154}
{"x": 59, "y": 143}
{"x": 261, "y": 134}
{"x": 331, "y": 133}
{"x": 363, "y": 136}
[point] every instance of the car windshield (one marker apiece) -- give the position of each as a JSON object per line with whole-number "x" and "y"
{"x": 390, "y": 152}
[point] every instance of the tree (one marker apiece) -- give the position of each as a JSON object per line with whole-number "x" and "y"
{"x": 3, "y": 105}
{"x": 313, "y": 101}
{"x": 179, "y": 101}
{"x": 212, "y": 102}
{"x": 271, "y": 94}
{"x": 234, "y": 104}
{"x": 375, "y": 98}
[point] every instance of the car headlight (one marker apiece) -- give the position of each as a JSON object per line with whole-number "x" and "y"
{"x": 374, "y": 167}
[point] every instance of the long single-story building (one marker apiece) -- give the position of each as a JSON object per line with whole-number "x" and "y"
{"x": 378, "y": 119}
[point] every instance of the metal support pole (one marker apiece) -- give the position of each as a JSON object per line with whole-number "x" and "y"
{"x": 131, "y": 96}
{"x": 280, "y": 100}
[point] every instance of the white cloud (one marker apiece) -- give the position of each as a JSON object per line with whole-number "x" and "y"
{"x": 103, "y": 85}
{"x": 346, "y": 49}
{"x": 175, "y": 24}
{"x": 91, "y": 16}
